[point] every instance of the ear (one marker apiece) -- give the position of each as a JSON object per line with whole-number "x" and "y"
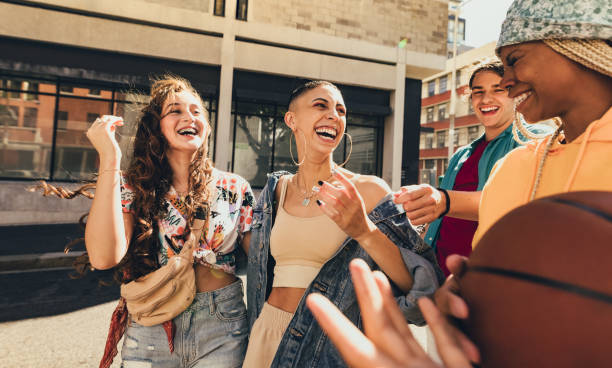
{"x": 290, "y": 120}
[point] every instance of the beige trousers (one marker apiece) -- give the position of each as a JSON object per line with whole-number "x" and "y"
{"x": 266, "y": 334}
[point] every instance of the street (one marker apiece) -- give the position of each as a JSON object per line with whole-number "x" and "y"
{"x": 49, "y": 320}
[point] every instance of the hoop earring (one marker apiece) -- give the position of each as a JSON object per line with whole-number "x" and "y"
{"x": 518, "y": 126}
{"x": 350, "y": 150}
{"x": 291, "y": 151}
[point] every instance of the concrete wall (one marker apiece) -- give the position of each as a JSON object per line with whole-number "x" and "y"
{"x": 385, "y": 22}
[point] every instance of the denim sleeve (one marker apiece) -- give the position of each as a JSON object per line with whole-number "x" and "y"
{"x": 421, "y": 262}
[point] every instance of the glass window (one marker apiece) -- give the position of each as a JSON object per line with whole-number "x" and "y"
{"x": 219, "y": 8}
{"x": 62, "y": 119}
{"x": 456, "y": 138}
{"x": 253, "y": 147}
{"x": 431, "y": 88}
{"x": 443, "y": 83}
{"x": 429, "y": 139}
{"x": 75, "y": 157}
{"x": 441, "y": 139}
{"x": 458, "y": 78}
{"x": 283, "y": 137}
{"x": 30, "y": 117}
{"x": 442, "y": 111}
{"x": 363, "y": 157}
{"x": 95, "y": 91}
{"x": 241, "y": 9}
{"x": 9, "y": 114}
{"x": 66, "y": 89}
{"x": 430, "y": 114}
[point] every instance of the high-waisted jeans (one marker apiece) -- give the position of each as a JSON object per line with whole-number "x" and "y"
{"x": 212, "y": 333}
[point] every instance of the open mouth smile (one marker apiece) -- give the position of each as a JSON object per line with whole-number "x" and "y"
{"x": 489, "y": 110}
{"x": 189, "y": 131}
{"x": 327, "y": 133}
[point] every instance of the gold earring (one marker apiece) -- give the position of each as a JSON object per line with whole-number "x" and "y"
{"x": 291, "y": 151}
{"x": 350, "y": 150}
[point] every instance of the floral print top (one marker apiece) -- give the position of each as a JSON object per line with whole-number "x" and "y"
{"x": 231, "y": 215}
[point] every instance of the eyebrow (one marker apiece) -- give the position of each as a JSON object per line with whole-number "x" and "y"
{"x": 480, "y": 87}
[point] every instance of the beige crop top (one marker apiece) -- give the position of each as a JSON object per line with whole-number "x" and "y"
{"x": 301, "y": 245}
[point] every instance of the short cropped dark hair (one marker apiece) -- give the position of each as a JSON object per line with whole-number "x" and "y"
{"x": 494, "y": 66}
{"x": 307, "y": 86}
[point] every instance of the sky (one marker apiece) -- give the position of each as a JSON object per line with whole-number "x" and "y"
{"x": 483, "y": 19}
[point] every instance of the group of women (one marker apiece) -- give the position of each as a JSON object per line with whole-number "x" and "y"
{"x": 306, "y": 227}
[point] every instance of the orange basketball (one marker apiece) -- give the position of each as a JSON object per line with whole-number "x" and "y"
{"x": 539, "y": 285}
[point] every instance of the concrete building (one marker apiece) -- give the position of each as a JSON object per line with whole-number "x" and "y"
{"x": 435, "y": 107}
{"x": 67, "y": 61}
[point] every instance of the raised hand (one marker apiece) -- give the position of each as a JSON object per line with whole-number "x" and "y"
{"x": 101, "y": 134}
{"x": 422, "y": 203}
{"x": 345, "y": 206}
{"x": 388, "y": 341}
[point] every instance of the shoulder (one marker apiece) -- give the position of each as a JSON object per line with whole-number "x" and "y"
{"x": 372, "y": 189}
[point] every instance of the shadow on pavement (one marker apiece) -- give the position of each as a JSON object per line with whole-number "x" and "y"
{"x": 40, "y": 293}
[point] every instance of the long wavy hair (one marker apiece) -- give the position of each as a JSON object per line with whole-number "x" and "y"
{"x": 150, "y": 176}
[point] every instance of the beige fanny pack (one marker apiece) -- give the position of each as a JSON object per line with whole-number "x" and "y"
{"x": 164, "y": 293}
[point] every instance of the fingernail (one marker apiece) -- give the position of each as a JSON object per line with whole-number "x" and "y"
{"x": 319, "y": 202}
{"x": 320, "y": 182}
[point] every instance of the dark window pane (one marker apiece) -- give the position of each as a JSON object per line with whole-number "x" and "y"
{"x": 363, "y": 158}
{"x": 253, "y": 148}
{"x": 282, "y": 154}
{"x": 95, "y": 91}
{"x": 255, "y": 109}
{"x": 9, "y": 114}
{"x": 62, "y": 119}
{"x": 86, "y": 91}
{"x": 443, "y": 83}
{"x": 75, "y": 158}
{"x": 241, "y": 9}
{"x": 30, "y": 116}
{"x": 219, "y": 8}
{"x": 431, "y": 88}
{"x": 430, "y": 114}
{"x": 66, "y": 89}
{"x": 442, "y": 112}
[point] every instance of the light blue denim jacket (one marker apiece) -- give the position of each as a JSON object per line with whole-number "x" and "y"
{"x": 304, "y": 343}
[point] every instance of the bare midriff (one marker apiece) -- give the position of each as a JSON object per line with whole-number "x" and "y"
{"x": 208, "y": 279}
{"x": 286, "y": 298}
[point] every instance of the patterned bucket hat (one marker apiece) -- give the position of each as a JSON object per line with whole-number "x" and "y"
{"x": 532, "y": 20}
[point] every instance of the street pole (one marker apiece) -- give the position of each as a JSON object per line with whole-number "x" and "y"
{"x": 453, "y": 100}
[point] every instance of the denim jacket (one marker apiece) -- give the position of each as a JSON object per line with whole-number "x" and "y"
{"x": 304, "y": 344}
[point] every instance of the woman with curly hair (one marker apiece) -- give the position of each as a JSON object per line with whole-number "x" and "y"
{"x": 140, "y": 218}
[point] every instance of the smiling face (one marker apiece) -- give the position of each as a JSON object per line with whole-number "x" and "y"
{"x": 320, "y": 115}
{"x": 183, "y": 122}
{"x": 542, "y": 82}
{"x": 491, "y": 104}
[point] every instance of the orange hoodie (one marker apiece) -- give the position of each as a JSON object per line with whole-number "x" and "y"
{"x": 583, "y": 164}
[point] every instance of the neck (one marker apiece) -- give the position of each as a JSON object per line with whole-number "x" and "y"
{"x": 311, "y": 172}
{"x": 493, "y": 132}
{"x": 180, "y": 162}
{"x": 585, "y": 108}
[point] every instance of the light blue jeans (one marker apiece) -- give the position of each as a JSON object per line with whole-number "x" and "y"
{"x": 212, "y": 333}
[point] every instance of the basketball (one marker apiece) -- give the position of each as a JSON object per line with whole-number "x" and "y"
{"x": 539, "y": 285}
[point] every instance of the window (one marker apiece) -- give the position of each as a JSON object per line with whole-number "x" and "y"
{"x": 442, "y": 111}
{"x": 66, "y": 89}
{"x": 457, "y": 78}
{"x": 426, "y": 141}
{"x": 430, "y": 114}
{"x": 431, "y": 88}
{"x": 9, "y": 115}
{"x": 456, "y": 138}
{"x": 443, "y": 83}
{"x": 472, "y": 133}
{"x": 13, "y": 84}
{"x": 95, "y": 91}
{"x": 92, "y": 116}
{"x": 441, "y": 139}
{"x": 241, "y": 9}
{"x": 32, "y": 89}
{"x": 219, "y": 9}
{"x": 62, "y": 119}
{"x": 30, "y": 116}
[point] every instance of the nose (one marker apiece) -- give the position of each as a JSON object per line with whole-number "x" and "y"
{"x": 333, "y": 115}
{"x": 188, "y": 116}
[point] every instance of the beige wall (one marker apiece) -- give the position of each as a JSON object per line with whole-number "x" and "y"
{"x": 385, "y": 22}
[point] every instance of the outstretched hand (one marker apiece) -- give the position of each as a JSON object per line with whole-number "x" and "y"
{"x": 388, "y": 341}
{"x": 423, "y": 203}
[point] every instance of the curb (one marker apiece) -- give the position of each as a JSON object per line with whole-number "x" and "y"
{"x": 35, "y": 261}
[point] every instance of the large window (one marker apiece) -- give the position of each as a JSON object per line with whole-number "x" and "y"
{"x": 429, "y": 117}
{"x": 442, "y": 111}
{"x": 441, "y": 139}
{"x": 241, "y": 9}
{"x": 262, "y": 139}
{"x": 431, "y": 88}
{"x": 443, "y": 83}
{"x": 472, "y": 133}
{"x": 43, "y": 124}
{"x": 219, "y": 8}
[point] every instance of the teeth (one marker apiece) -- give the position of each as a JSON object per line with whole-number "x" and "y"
{"x": 186, "y": 131}
{"x": 487, "y": 109}
{"x": 521, "y": 98}
{"x": 329, "y": 131}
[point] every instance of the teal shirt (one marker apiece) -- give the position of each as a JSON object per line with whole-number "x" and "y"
{"x": 496, "y": 149}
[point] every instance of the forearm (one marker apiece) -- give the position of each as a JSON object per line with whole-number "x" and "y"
{"x": 105, "y": 233}
{"x": 388, "y": 257}
{"x": 464, "y": 205}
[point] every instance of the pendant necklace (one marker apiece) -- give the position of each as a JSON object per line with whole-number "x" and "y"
{"x": 308, "y": 195}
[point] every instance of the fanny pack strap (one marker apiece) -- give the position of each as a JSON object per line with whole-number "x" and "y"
{"x": 194, "y": 238}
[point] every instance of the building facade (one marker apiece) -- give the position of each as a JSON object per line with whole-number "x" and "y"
{"x": 69, "y": 61}
{"x": 435, "y": 108}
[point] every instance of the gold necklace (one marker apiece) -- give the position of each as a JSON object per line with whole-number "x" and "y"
{"x": 307, "y": 195}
